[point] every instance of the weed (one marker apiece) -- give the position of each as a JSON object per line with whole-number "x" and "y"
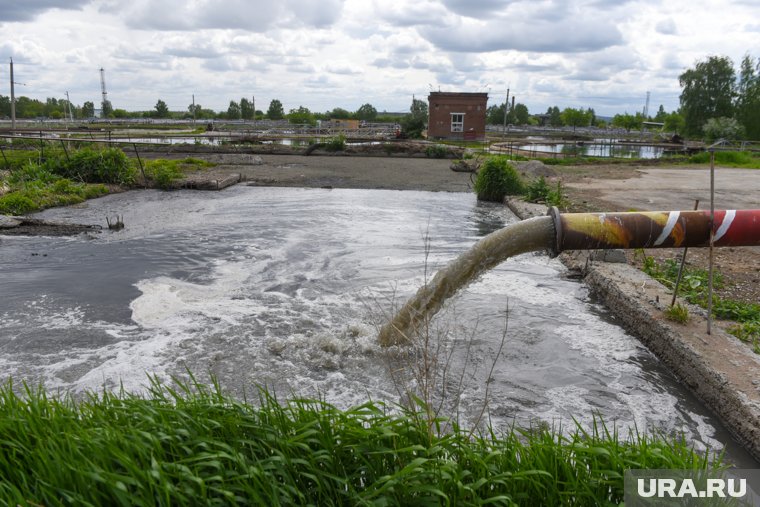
{"x": 677, "y": 313}
{"x": 693, "y": 287}
{"x": 436, "y": 151}
{"x": 336, "y": 143}
{"x": 728, "y": 158}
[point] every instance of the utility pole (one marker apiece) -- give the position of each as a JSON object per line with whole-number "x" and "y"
{"x": 253, "y": 105}
{"x": 13, "y": 101}
{"x": 506, "y": 106}
{"x": 193, "y": 109}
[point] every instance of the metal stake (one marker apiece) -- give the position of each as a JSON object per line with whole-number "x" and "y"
{"x": 683, "y": 261}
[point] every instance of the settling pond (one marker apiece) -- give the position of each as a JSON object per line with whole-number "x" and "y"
{"x": 286, "y": 287}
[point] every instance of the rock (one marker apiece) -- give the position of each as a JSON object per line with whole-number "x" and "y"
{"x": 535, "y": 169}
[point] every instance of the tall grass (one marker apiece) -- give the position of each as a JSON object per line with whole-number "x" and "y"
{"x": 744, "y": 159}
{"x": 189, "y": 444}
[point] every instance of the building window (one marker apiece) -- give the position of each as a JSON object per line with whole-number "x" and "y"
{"x": 457, "y": 122}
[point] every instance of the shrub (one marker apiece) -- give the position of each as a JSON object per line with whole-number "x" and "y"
{"x": 110, "y": 165}
{"x": 497, "y": 179}
{"x": 537, "y": 190}
{"x": 15, "y": 203}
{"x": 436, "y": 151}
{"x": 337, "y": 143}
{"x": 163, "y": 172}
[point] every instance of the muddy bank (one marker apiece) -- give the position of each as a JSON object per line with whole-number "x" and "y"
{"x": 719, "y": 369}
{"x": 23, "y": 226}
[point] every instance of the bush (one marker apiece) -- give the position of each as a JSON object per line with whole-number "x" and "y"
{"x": 15, "y": 203}
{"x": 497, "y": 179}
{"x": 436, "y": 151}
{"x": 110, "y": 165}
{"x": 163, "y": 172}
{"x": 337, "y": 143}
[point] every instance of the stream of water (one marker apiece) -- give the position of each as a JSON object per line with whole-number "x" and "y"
{"x": 288, "y": 287}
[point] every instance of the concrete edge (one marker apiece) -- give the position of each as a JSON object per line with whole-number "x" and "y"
{"x": 718, "y": 369}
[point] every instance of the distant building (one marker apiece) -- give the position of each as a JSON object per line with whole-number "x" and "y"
{"x": 457, "y": 116}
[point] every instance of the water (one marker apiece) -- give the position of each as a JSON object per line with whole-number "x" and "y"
{"x": 288, "y": 287}
{"x": 597, "y": 150}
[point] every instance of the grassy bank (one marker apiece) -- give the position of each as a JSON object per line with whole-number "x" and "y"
{"x": 693, "y": 288}
{"x": 45, "y": 178}
{"x": 192, "y": 445}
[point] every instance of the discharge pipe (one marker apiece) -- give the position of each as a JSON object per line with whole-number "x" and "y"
{"x": 559, "y": 232}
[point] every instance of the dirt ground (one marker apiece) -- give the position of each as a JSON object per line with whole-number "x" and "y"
{"x": 648, "y": 188}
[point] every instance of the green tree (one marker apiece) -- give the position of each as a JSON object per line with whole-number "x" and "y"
{"x": 723, "y": 128}
{"x": 366, "y": 112}
{"x": 674, "y": 122}
{"x": 233, "y": 111}
{"x": 521, "y": 114}
{"x": 707, "y": 91}
{"x": 120, "y": 113}
{"x": 575, "y": 117}
{"x": 495, "y": 114}
{"x": 627, "y": 121}
{"x": 5, "y": 105}
{"x": 748, "y": 97}
{"x": 555, "y": 117}
{"x": 106, "y": 109}
{"x": 661, "y": 114}
{"x": 413, "y": 123}
{"x": 88, "y": 110}
{"x": 246, "y": 109}
{"x": 194, "y": 110}
{"x": 275, "y": 111}
{"x": 338, "y": 113}
{"x": 162, "y": 110}
{"x": 301, "y": 116}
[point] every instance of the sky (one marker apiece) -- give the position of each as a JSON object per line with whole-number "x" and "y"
{"x": 323, "y": 54}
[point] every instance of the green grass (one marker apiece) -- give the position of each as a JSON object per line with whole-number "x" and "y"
{"x": 34, "y": 187}
{"x": 741, "y": 159}
{"x": 164, "y": 172}
{"x": 37, "y": 183}
{"x": 192, "y": 445}
{"x": 693, "y": 288}
{"x": 677, "y": 313}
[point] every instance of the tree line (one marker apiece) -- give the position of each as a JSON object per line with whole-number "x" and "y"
{"x": 716, "y": 101}
{"x": 237, "y": 110}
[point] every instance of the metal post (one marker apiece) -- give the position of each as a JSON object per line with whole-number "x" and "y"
{"x": 13, "y": 101}
{"x": 683, "y": 261}
{"x": 712, "y": 242}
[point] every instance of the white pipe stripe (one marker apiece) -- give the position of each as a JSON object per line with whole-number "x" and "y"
{"x": 725, "y": 225}
{"x": 672, "y": 221}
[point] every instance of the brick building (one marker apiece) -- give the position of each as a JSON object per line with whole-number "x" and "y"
{"x": 457, "y": 116}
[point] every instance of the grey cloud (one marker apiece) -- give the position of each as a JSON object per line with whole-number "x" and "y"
{"x": 27, "y": 10}
{"x": 232, "y": 14}
{"x": 570, "y": 36}
{"x": 666, "y": 27}
{"x": 476, "y": 9}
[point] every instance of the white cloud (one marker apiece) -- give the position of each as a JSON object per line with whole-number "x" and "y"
{"x": 343, "y": 53}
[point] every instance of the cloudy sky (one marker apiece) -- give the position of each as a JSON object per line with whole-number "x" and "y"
{"x": 322, "y": 54}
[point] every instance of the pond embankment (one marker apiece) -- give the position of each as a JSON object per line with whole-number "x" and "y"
{"x": 720, "y": 370}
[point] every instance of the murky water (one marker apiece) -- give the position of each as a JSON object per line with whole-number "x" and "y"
{"x": 287, "y": 287}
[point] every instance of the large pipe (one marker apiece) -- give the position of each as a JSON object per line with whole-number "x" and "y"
{"x": 559, "y": 232}
{"x": 654, "y": 229}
